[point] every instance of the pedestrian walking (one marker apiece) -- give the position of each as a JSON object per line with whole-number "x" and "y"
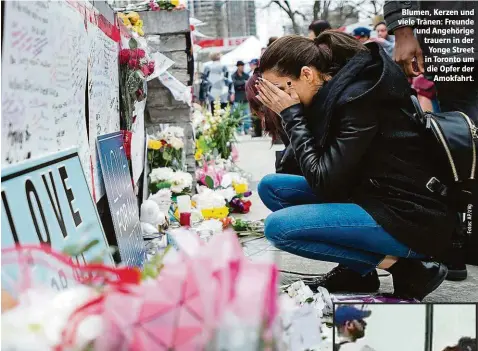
{"x": 239, "y": 78}
{"x": 216, "y": 78}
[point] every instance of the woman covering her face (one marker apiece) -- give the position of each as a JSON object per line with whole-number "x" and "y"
{"x": 344, "y": 106}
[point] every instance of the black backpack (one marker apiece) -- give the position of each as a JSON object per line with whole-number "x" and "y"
{"x": 453, "y": 143}
{"x": 452, "y": 138}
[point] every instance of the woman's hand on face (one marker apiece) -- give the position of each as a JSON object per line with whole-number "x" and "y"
{"x": 274, "y": 98}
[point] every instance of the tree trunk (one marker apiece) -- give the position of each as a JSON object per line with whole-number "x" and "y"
{"x": 316, "y": 9}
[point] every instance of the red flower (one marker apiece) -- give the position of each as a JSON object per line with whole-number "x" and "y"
{"x": 127, "y": 136}
{"x": 133, "y": 54}
{"x": 145, "y": 70}
{"x": 151, "y": 67}
{"x": 124, "y": 56}
{"x": 247, "y": 206}
{"x": 139, "y": 93}
{"x": 133, "y": 63}
{"x": 140, "y": 53}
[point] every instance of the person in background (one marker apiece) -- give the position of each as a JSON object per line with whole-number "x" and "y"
{"x": 362, "y": 34}
{"x": 350, "y": 325}
{"x": 239, "y": 78}
{"x": 271, "y": 40}
{"x": 464, "y": 344}
{"x": 318, "y": 27}
{"x": 256, "y": 122}
{"x": 383, "y": 38}
{"x": 220, "y": 87}
{"x": 253, "y": 64}
{"x": 452, "y": 96}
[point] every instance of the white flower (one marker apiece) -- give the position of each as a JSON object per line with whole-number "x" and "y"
{"x": 213, "y": 225}
{"x": 161, "y": 174}
{"x": 177, "y": 132}
{"x": 227, "y": 193}
{"x": 176, "y": 143}
{"x": 208, "y": 198}
{"x": 38, "y": 321}
{"x": 181, "y": 181}
{"x": 226, "y": 180}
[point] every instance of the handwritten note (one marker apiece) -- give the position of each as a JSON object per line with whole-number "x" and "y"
{"x": 103, "y": 95}
{"x": 43, "y": 81}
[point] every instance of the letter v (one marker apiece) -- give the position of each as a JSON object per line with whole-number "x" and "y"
{"x": 55, "y": 204}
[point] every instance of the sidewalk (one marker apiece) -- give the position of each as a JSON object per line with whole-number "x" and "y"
{"x": 256, "y": 156}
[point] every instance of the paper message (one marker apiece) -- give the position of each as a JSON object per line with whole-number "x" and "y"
{"x": 44, "y": 68}
{"x": 103, "y": 96}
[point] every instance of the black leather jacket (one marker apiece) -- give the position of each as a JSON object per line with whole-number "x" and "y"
{"x": 351, "y": 144}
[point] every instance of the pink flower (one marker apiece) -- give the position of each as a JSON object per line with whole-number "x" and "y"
{"x": 151, "y": 67}
{"x": 124, "y": 56}
{"x": 133, "y": 54}
{"x": 140, "y": 53}
{"x": 154, "y": 6}
{"x": 133, "y": 63}
{"x": 145, "y": 70}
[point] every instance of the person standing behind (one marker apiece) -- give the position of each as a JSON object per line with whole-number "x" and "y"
{"x": 362, "y": 34}
{"x": 318, "y": 27}
{"x": 253, "y": 64}
{"x": 239, "y": 78}
{"x": 452, "y": 95}
{"x": 350, "y": 325}
{"x": 384, "y": 39}
{"x": 218, "y": 77}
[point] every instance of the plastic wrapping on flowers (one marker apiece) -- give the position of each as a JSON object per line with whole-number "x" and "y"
{"x": 166, "y": 149}
{"x": 179, "y": 304}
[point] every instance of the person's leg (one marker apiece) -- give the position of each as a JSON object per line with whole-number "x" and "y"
{"x": 278, "y": 191}
{"x": 342, "y": 233}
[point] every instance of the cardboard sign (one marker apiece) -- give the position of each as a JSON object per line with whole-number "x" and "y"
{"x": 121, "y": 199}
{"x": 47, "y": 201}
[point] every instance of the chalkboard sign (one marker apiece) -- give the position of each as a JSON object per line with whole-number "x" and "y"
{"x": 47, "y": 201}
{"x": 121, "y": 198}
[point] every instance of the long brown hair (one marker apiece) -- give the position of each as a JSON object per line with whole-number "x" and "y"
{"x": 329, "y": 52}
{"x": 270, "y": 120}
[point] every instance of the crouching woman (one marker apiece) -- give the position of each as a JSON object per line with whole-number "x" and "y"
{"x": 344, "y": 107}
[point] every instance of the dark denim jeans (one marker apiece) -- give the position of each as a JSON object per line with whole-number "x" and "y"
{"x": 336, "y": 232}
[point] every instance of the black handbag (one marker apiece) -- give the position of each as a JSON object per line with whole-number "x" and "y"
{"x": 453, "y": 142}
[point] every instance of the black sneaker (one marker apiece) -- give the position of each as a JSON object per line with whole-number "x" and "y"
{"x": 415, "y": 279}
{"x": 343, "y": 279}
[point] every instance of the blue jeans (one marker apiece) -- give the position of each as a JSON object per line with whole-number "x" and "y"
{"x": 247, "y": 122}
{"x": 336, "y": 232}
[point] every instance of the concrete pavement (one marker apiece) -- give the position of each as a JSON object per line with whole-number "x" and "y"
{"x": 257, "y": 157}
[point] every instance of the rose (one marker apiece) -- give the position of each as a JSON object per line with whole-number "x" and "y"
{"x": 133, "y": 54}
{"x": 145, "y": 70}
{"x": 133, "y": 63}
{"x": 151, "y": 66}
{"x": 124, "y": 56}
{"x": 141, "y": 53}
{"x": 247, "y": 205}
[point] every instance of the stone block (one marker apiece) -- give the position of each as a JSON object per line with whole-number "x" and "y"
{"x": 173, "y": 42}
{"x": 180, "y": 59}
{"x": 180, "y": 74}
{"x": 165, "y": 22}
{"x": 169, "y": 114}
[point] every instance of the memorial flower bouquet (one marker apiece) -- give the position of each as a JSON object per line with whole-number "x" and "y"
{"x": 158, "y": 5}
{"x": 198, "y": 298}
{"x": 215, "y": 135}
{"x": 132, "y": 21}
{"x": 135, "y": 67}
{"x": 166, "y": 148}
{"x": 166, "y": 178}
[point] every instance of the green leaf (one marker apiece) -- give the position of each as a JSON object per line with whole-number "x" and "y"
{"x": 77, "y": 250}
{"x": 167, "y": 155}
{"x": 163, "y": 185}
{"x": 309, "y": 300}
{"x": 209, "y": 182}
{"x": 133, "y": 44}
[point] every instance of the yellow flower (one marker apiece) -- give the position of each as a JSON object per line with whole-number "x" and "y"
{"x": 133, "y": 17}
{"x": 198, "y": 155}
{"x": 125, "y": 19}
{"x": 154, "y": 144}
{"x": 175, "y": 2}
{"x": 207, "y": 213}
{"x": 221, "y": 212}
{"x": 193, "y": 204}
{"x": 240, "y": 188}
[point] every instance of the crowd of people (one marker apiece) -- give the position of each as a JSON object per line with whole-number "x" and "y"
{"x": 358, "y": 183}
